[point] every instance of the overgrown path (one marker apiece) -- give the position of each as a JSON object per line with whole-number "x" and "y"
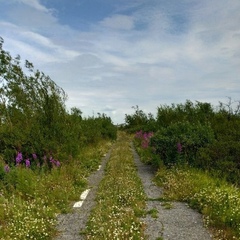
{"x": 123, "y": 203}
{"x": 169, "y": 220}
{"x": 70, "y": 225}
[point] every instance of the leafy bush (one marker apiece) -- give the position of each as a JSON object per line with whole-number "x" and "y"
{"x": 139, "y": 121}
{"x": 34, "y": 119}
{"x": 196, "y": 134}
{"x": 223, "y": 157}
{"x": 180, "y": 142}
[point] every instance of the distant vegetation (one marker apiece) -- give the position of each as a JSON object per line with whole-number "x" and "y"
{"x": 196, "y": 134}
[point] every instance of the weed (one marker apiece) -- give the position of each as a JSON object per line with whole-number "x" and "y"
{"x": 153, "y": 212}
{"x": 216, "y": 199}
{"x": 120, "y": 198}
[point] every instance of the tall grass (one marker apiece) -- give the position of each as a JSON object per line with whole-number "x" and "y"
{"x": 30, "y": 200}
{"x": 215, "y": 198}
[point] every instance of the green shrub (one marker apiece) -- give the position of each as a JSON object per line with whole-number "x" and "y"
{"x": 180, "y": 142}
{"x": 222, "y": 158}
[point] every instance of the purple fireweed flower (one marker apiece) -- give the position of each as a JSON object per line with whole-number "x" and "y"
{"x": 34, "y": 155}
{"x": 27, "y": 162}
{"x": 57, "y": 163}
{"x": 19, "y": 157}
{"x": 51, "y": 160}
{"x": 138, "y": 134}
{"x": 150, "y": 134}
{"x": 179, "y": 147}
{"x": 144, "y": 144}
{"x": 6, "y": 168}
{"x": 145, "y": 136}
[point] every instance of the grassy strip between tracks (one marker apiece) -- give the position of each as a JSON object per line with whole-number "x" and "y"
{"x": 120, "y": 198}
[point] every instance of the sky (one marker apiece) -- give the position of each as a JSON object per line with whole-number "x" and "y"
{"x": 112, "y": 55}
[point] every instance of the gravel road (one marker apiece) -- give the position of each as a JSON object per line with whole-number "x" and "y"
{"x": 70, "y": 225}
{"x": 177, "y": 223}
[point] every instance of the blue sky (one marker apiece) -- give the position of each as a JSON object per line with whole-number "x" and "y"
{"x": 111, "y": 55}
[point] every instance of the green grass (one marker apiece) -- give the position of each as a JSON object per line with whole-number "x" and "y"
{"x": 120, "y": 198}
{"x": 153, "y": 212}
{"x": 217, "y": 200}
{"x": 30, "y": 200}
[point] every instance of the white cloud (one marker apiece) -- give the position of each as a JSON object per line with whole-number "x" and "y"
{"x": 118, "y": 22}
{"x": 34, "y": 4}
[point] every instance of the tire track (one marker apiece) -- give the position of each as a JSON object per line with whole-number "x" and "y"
{"x": 179, "y": 222}
{"x": 71, "y": 224}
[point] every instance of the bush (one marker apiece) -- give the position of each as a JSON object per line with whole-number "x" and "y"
{"x": 180, "y": 142}
{"x": 223, "y": 157}
{"x": 34, "y": 119}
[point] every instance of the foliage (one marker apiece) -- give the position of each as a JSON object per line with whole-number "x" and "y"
{"x": 180, "y": 142}
{"x": 34, "y": 119}
{"x": 139, "y": 121}
{"x": 197, "y": 134}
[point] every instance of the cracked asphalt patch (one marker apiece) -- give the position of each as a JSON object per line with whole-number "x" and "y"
{"x": 175, "y": 220}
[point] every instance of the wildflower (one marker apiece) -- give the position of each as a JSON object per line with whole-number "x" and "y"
{"x": 51, "y": 160}
{"x": 34, "y": 155}
{"x": 145, "y": 144}
{"x": 19, "y": 157}
{"x": 27, "y": 162}
{"x": 139, "y": 134}
{"x": 6, "y": 168}
{"x": 179, "y": 147}
{"x": 54, "y": 162}
{"x": 57, "y": 163}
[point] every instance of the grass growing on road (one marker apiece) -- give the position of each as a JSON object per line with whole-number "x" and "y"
{"x": 120, "y": 198}
{"x": 217, "y": 200}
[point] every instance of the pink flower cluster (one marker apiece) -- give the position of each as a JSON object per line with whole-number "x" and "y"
{"x": 54, "y": 162}
{"x": 27, "y": 162}
{"x": 179, "y": 147}
{"x": 144, "y": 137}
{"x": 19, "y": 159}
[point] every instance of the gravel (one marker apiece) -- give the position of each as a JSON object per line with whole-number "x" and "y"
{"x": 177, "y": 223}
{"x": 70, "y": 225}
